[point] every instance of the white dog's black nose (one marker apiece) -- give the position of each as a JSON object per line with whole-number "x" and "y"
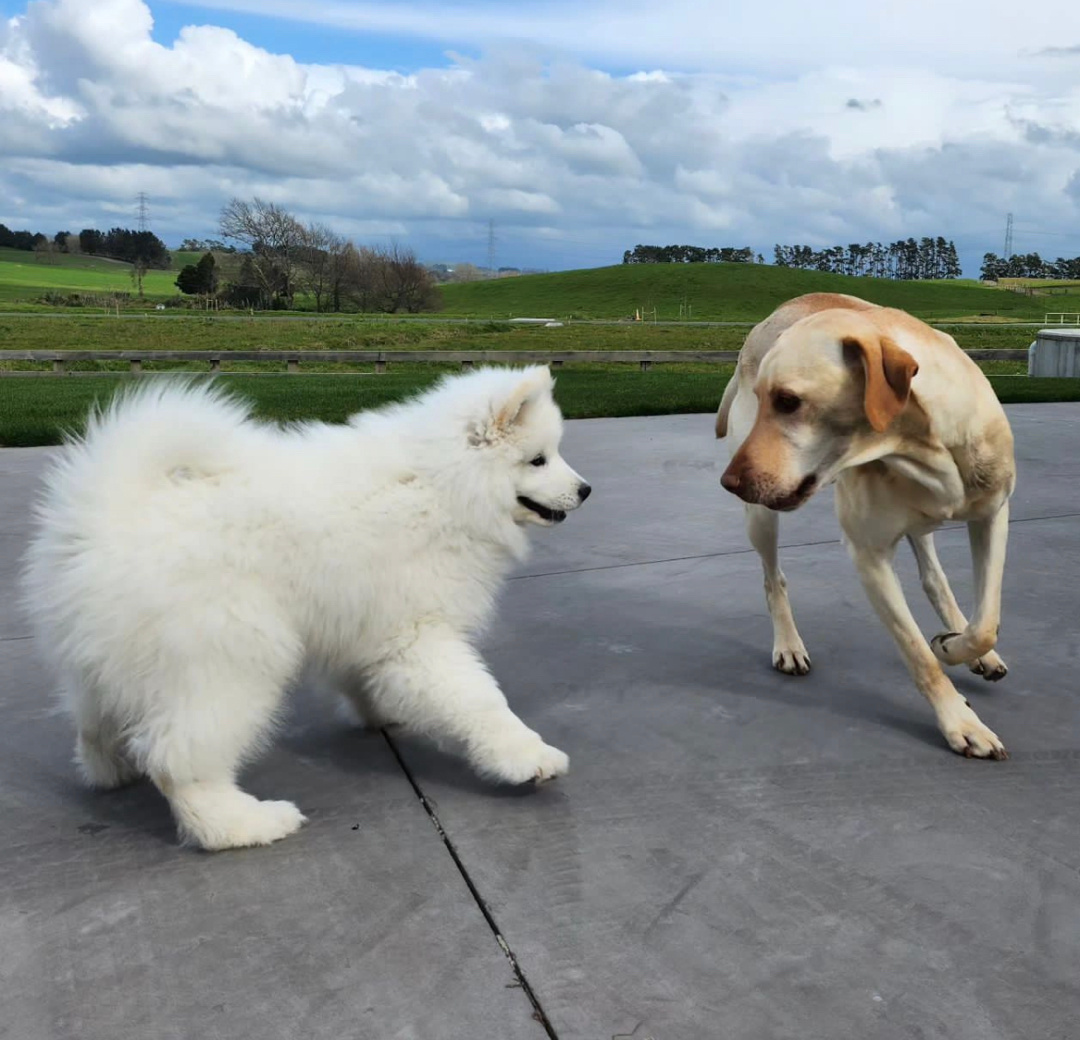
{"x": 583, "y": 491}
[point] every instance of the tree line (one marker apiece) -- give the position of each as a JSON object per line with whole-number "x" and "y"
{"x": 140, "y": 248}
{"x": 689, "y": 255}
{"x": 280, "y": 257}
{"x": 1028, "y": 265}
{"x": 904, "y": 260}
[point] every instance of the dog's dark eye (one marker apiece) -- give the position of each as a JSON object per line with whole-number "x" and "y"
{"x": 540, "y": 460}
{"x": 786, "y": 403}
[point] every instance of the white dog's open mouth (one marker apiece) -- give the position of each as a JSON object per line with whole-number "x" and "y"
{"x": 554, "y": 516}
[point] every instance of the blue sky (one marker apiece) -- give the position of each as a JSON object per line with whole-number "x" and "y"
{"x": 308, "y": 43}
{"x": 580, "y": 128}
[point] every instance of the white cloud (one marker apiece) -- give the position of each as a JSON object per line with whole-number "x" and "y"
{"x": 968, "y": 36}
{"x": 573, "y": 163}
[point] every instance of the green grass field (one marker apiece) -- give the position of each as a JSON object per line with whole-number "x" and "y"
{"x": 72, "y": 331}
{"x": 34, "y": 410}
{"x": 727, "y": 292}
{"x": 25, "y": 277}
{"x": 37, "y": 411}
{"x": 713, "y": 292}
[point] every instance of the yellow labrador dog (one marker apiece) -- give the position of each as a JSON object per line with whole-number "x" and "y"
{"x": 832, "y": 388}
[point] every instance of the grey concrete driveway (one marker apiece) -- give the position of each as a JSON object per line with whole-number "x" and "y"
{"x": 735, "y": 854}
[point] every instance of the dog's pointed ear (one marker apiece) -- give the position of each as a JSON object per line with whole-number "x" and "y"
{"x": 889, "y": 370}
{"x": 534, "y": 383}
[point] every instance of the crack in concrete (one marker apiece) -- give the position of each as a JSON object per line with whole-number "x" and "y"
{"x": 538, "y": 1011}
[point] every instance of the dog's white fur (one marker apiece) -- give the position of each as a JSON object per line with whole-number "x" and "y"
{"x": 188, "y": 560}
{"x": 830, "y": 387}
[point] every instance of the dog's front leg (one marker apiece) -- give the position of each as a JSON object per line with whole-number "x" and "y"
{"x": 936, "y": 586}
{"x": 988, "y": 540}
{"x": 960, "y": 726}
{"x": 439, "y": 686}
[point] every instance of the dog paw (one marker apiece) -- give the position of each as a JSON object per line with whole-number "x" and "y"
{"x": 259, "y": 823}
{"x": 791, "y": 660}
{"x": 102, "y": 770}
{"x": 967, "y": 735}
{"x": 990, "y": 666}
{"x": 522, "y": 760}
{"x": 940, "y": 645}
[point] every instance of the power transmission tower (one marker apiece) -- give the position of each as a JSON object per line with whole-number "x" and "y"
{"x": 141, "y": 212}
{"x": 491, "y": 249}
{"x": 1008, "y": 236}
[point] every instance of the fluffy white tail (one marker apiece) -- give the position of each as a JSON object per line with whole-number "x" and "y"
{"x": 142, "y": 437}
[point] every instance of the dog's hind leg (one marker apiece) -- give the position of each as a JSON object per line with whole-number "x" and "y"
{"x": 936, "y": 586}
{"x": 789, "y": 654}
{"x": 978, "y": 637}
{"x": 100, "y": 753}
{"x": 358, "y": 705}
{"x": 192, "y": 741}
{"x": 439, "y": 686}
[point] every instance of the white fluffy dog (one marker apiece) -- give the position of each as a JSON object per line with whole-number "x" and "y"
{"x": 188, "y": 560}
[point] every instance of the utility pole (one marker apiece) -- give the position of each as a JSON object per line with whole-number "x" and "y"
{"x": 143, "y": 217}
{"x": 492, "y": 273}
{"x": 1008, "y": 236}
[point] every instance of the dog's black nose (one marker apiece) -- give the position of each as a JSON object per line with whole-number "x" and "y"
{"x": 583, "y": 492}
{"x": 730, "y": 482}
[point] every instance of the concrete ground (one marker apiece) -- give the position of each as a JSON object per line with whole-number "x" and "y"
{"x": 736, "y": 854}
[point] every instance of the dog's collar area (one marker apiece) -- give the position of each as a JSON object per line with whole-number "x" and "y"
{"x": 555, "y": 516}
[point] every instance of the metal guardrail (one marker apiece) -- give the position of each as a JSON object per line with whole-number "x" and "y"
{"x": 382, "y": 359}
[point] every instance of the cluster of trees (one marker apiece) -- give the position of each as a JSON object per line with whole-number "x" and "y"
{"x": 281, "y": 257}
{"x": 1028, "y": 265}
{"x": 689, "y": 255}
{"x": 206, "y": 245}
{"x": 27, "y": 240}
{"x": 905, "y": 259}
{"x": 926, "y": 258}
{"x": 140, "y": 248}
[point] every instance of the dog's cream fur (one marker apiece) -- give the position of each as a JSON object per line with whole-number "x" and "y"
{"x": 830, "y": 387}
{"x": 188, "y": 560}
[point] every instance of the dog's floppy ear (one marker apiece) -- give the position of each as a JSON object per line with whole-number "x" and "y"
{"x": 889, "y": 370}
{"x": 534, "y": 383}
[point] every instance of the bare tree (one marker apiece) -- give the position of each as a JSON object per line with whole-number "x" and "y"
{"x": 138, "y": 273}
{"x": 401, "y": 282}
{"x": 276, "y": 241}
{"x": 45, "y": 251}
{"x": 466, "y": 273}
{"x": 362, "y": 278}
{"x": 323, "y": 266}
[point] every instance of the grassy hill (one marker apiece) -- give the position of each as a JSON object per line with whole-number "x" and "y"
{"x": 714, "y": 292}
{"x": 726, "y": 292}
{"x": 25, "y": 277}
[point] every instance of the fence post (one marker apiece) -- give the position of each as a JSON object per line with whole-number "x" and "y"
{"x": 466, "y": 363}
{"x": 136, "y": 365}
{"x": 215, "y": 364}
{"x": 380, "y": 366}
{"x": 645, "y": 365}
{"x": 557, "y": 364}
{"x": 292, "y": 366}
{"x": 58, "y": 366}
